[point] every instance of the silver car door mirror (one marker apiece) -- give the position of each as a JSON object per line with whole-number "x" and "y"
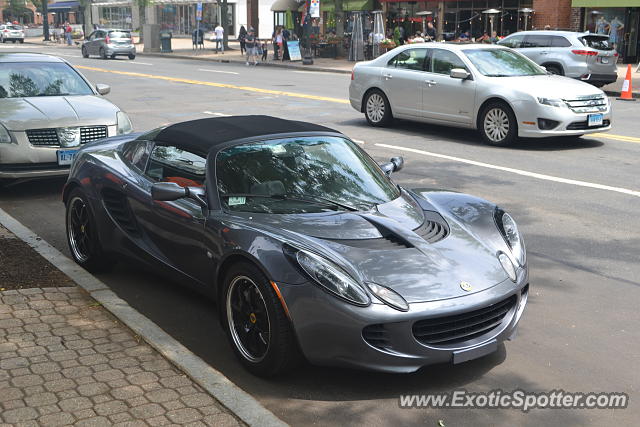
{"x": 103, "y": 89}
{"x": 393, "y": 165}
{"x": 459, "y": 73}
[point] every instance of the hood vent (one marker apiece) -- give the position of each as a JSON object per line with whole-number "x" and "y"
{"x": 434, "y": 228}
{"x": 386, "y": 243}
{"x": 118, "y": 207}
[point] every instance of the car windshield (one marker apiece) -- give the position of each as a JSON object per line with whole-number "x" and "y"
{"x": 27, "y": 79}
{"x": 13, "y": 27}
{"x": 300, "y": 175}
{"x": 502, "y": 63}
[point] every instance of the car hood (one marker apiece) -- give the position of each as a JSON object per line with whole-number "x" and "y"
{"x": 18, "y": 114}
{"x": 416, "y": 269}
{"x": 549, "y": 86}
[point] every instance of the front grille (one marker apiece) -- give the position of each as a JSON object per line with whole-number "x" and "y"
{"x": 49, "y": 137}
{"x": 376, "y": 336}
{"x": 43, "y": 137}
{"x": 462, "y": 327}
{"x": 92, "y": 133}
{"x": 587, "y": 104}
{"x": 118, "y": 207}
{"x": 28, "y": 167}
{"x": 585, "y": 125}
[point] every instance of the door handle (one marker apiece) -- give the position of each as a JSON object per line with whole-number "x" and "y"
{"x": 544, "y": 52}
{"x": 430, "y": 82}
{"x": 387, "y": 76}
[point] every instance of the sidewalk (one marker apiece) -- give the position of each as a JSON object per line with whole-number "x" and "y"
{"x": 79, "y": 355}
{"x": 65, "y": 360}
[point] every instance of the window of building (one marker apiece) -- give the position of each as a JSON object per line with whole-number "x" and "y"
{"x": 116, "y": 17}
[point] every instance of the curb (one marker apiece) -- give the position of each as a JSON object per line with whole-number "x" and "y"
{"x": 239, "y": 402}
{"x": 236, "y": 61}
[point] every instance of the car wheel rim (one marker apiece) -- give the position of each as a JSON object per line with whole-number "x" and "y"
{"x": 496, "y": 124}
{"x": 375, "y": 108}
{"x": 248, "y": 319}
{"x": 79, "y": 229}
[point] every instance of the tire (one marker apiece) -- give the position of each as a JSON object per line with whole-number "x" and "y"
{"x": 113, "y": 56}
{"x": 85, "y": 54}
{"x": 21, "y": 41}
{"x": 14, "y": 41}
{"x": 82, "y": 235}
{"x": 4, "y": 41}
{"x": 249, "y": 306}
{"x": 377, "y": 109}
{"x": 103, "y": 54}
{"x": 554, "y": 69}
{"x": 497, "y": 124}
{"x": 132, "y": 56}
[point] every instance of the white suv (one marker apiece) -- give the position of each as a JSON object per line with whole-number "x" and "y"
{"x": 12, "y": 33}
{"x": 585, "y": 56}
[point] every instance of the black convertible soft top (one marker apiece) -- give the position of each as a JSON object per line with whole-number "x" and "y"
{"x": 202, "y": 135}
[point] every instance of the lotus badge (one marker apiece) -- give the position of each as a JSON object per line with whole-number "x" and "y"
{"x": 466, "y": 286}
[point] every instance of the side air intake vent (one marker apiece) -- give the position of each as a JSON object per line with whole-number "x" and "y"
{"x": 118, "y": 207}
{"x": 434, "y": 228}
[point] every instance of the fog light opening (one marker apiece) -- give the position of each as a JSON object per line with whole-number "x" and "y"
{"x": 547, "y": 124}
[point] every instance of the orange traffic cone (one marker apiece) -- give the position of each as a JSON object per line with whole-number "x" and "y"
{"x": 626, "y": 94}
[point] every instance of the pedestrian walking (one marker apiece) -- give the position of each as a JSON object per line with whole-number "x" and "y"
{"x": 251, "y": 42}
{"x": 242, "y": 35}
{"x": 277, "y": 43}
{"x": 219, "y": 37}
{"x": 67, "y": 33}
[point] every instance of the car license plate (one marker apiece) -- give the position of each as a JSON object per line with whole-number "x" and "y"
{"x": 65, "y": 157}
{"x": 595, "y": 120}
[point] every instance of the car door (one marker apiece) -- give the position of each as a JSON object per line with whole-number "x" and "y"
{"x": 537, "y": 47}
{"x": 443, "y": 97}
{"x": 96, "y": 42}
{"x": 173, "y": 230}
{"x": 89, "y": 42}
{"x": 401, "y": 81}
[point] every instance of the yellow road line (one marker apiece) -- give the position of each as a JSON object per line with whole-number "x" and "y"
{"x": 284, "y": 93}
{"x": 221, "y": 85}
{"x": 616, "y": 137}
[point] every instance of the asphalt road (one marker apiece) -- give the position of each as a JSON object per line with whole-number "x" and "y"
{"x": 575, "y": 200}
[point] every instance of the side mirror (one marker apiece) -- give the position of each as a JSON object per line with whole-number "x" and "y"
{"x": 459, "y": 73}
{"x": 169, "y": 191}
{"x": 394, "y": 165}
{"x": 103, "y": 89}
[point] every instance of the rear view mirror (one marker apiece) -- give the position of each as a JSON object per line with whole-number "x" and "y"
{"x": 394, "y": 165}
{"x": 459, "y": 73}
{"x": 103, "y": 89}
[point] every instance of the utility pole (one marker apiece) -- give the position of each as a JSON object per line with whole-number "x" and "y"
{"x": 45, "y": 20}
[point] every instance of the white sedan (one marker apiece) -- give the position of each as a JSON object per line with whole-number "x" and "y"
{"x": 493, "y": 89}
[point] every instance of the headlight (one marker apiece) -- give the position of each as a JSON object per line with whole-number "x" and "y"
{"x": 389, "y": 297}
{"x": 552, "y": 102}
{"x": 509, "y": 230}
{"x": 124, "y": 124}
{"x": 507, "y": 265}
{"x": 5, "y": 136}
{"x": 332, "y": 278}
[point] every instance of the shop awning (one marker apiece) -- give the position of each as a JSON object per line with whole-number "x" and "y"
{"x": 347, "y": 5}
{"x": 64, "y": 5}
{"x": 284, "y": 5}
{"x": 604, "y": 3}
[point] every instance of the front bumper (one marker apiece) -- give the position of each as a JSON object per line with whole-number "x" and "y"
{"x": 20, "y": 159}
{"x": 569, "y": 123}
{"x": 330, "y": 331}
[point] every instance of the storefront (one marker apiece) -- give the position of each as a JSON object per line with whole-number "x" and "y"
{"x": 180, "y": 16}
{"x": 619, "y": 19}
{"x": 459, "y": 16}
{"x": 116, "y": 16}
{"x": 349, "y": 7}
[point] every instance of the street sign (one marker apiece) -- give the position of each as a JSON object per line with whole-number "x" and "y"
{"x": 199, "y": 11}
{"x": 314, "y": 8}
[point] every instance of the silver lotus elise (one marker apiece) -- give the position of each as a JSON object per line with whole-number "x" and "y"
{"x": 47, "y": 111}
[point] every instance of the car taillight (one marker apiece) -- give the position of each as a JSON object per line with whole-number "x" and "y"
{"x": 5, "y": 31}
{"x": 615, "y": 54}
{"x": 352, "y": 74}
{"x": 107, "y": 40}
{"x": 584, "y": 52}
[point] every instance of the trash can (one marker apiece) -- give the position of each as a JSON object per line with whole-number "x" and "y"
{"x": 165, "y": 41}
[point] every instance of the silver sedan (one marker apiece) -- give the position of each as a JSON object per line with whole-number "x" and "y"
{"x": 47, "y": 111}
{"x": 493, "y": 89}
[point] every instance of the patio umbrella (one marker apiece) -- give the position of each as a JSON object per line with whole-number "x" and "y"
{"x": 289, "y": 20}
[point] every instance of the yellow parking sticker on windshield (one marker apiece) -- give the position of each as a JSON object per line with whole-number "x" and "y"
{"x": 237, "y": 201}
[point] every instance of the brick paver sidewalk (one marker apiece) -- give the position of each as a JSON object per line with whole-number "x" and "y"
{"x": 64, "y": 360}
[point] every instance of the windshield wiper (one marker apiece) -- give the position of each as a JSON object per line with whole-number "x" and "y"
{"x": 311, "y": 199}
{"x": 497, "y": 75}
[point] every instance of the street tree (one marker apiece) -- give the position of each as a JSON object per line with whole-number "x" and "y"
{"x": 142, "y": 12}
